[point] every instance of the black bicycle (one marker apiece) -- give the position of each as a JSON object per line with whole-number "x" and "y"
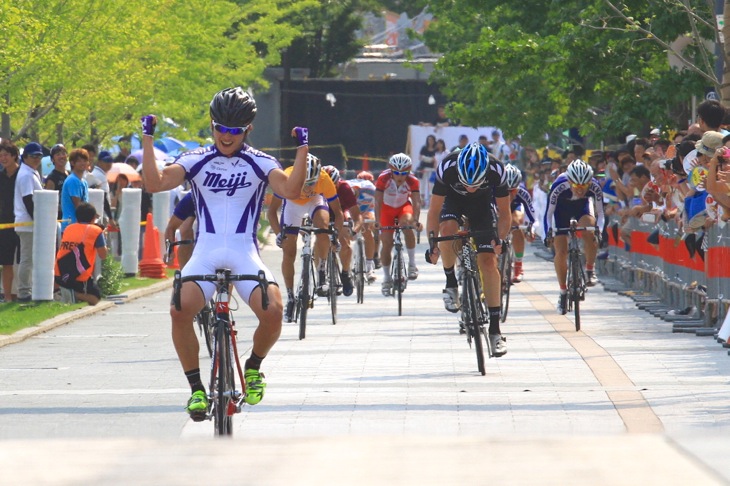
{"x": 307, "y": 278}
{"x": 223, "y": 397}
{"x": 506, "y": 262}
{"x": 398, "y": 269}
{"x": 206, "y": 316}
{"x": 576, "y": 278}
{"x": 333, "y": 272}
{"x": 359, "y": 266}
{"x": 473, "y": 313}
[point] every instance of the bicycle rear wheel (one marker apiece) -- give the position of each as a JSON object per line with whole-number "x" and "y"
{"x": 222, "y": 413}
{"x": 305, "y": 292}
{"x": 333, "y": 276}
{"x": 506, "y": 279}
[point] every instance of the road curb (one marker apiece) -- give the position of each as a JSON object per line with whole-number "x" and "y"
{"x": 63, "y": 319}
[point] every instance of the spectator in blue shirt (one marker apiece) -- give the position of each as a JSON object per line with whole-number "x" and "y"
{"x": 75, "y": 188}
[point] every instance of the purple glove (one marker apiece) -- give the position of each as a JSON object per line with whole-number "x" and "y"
{"x": 148, "y": 124}
{"x": 302, "y": 136}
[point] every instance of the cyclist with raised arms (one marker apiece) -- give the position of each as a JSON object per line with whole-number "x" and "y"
{"x": 397, "y": 196}
{"x": 471, "y": 183}
{"x": 317, "y": 197}
{"x": 228, "y": 180}
{"x": 575, "y": 194}
{"x": 350, "y": 212}
{"x": 364, "y": 190}
{"x": 521, "y": 207}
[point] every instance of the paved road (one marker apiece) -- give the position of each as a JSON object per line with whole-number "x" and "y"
{"x": 379, "y": 399}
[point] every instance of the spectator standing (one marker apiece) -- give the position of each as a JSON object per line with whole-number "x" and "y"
{"x": 9, "y": 242}
{"x": 441, "y": 119}
{"x": 91, "y": 236}
{"x": 463, "y": 142}
{"x": 710, "y": 114}
{"x": 54, "y": 181}
{"x": 28, "y": 181}
{"x": 75, "y": 190}
{"x": 96, "y": 178}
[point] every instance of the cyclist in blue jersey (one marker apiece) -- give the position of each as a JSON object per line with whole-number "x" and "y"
{"x": 470, "y": 183}
{"x": 521, "y": 207}
{"x": 228, "y": 181}
{"x": 575, "y": 194}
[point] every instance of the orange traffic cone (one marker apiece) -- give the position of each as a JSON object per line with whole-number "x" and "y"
{"x": 151, "y": 264}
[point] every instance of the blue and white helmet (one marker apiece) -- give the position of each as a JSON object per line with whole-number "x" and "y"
{"x": 472, "y": 165}
{"x": 513, "y": 176}
{"x": 333, "y": 173}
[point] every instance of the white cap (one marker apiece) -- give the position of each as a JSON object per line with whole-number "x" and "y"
{"x": 630, "y": 138}
{"x": 656, "y": 131}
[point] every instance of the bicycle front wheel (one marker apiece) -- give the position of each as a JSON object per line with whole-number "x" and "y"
{"x": 307, "y": 286}
{"x": 223, "y": 393}
{"x": 574, "y": 286}
{"x": 474, "y": 321}
{"x": 360, "y": 271}
{"x": 334, "y": 278}
{"x": 399, "y": 279}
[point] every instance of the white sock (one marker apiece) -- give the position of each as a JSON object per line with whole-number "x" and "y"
{"x": 412, "y": 256}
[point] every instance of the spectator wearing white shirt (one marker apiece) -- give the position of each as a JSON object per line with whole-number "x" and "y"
{"x": 28, "y": 181}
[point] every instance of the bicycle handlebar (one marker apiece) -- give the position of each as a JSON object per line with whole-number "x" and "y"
{"x": 407, "y": 227}
{"x": 222, "y": 277}
{"x": 459, "y": 235}
{"x": 169, "y": 245}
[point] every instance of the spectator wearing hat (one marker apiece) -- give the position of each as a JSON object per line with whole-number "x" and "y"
{"x": 55, "y": 180}
{"x": 654, "y": 135}
{"x": 28, "y": 181}
{"x": 97, "y": 180}
{"x": 9, "y": 243}
{"x": 76, "y": 189}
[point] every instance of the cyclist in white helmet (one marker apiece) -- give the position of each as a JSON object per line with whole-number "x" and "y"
{"x": 470, "y": 183}
{"x": 521, "y": 207}
{"x": 575, "y": 194}
{"x": 228, "y": 180}
{"x": 397, "y": 195}
{"x": 364, "y": 190}
{"x": 317, "y": 198}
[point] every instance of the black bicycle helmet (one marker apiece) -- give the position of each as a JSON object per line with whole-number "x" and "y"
{"x": 233, "y": 107}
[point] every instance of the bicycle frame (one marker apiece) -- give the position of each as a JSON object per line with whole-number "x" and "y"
{"x": 223, "y": 397}
{"x": 398, "y": 268}
{"x": 576, "y": 279}
{"x": 473, "y": 314}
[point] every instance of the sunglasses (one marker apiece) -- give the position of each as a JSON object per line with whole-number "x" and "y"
{"x": 232, "y": 130}
{"x": 401, "y": 172}
{"x": 579, "y": 186}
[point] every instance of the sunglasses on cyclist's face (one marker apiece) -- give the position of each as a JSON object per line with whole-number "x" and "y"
{"x": 580, "y": 187}
{"x": 232, "y": 130}
{"x": 401, "y": 172}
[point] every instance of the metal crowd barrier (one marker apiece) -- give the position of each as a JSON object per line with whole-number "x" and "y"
{"x": 668, "y": 271}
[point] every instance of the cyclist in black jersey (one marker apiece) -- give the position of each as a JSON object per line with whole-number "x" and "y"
{"x": 468, "y": 182}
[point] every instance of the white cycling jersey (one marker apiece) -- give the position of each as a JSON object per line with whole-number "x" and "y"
{"x": 228, "y": 194}
{"x": 365, "y": 194}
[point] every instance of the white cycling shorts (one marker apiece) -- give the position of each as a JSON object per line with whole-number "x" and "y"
{"x": 239, "y": 253}
{"x": 292, "y": 214}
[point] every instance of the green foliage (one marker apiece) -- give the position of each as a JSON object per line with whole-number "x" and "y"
{"x": 533, "y": 67}
{"x": 94, "y": 67}
{"x": 111, "y": 278}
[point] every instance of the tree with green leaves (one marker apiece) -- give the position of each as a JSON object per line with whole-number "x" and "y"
{"x": 533, "y": 67}
{"x": 85, "y": 69}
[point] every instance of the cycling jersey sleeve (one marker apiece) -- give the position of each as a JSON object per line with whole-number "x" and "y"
{"x": 524, "y": 197}
{"x": 346, "y": 195}
{"x": 186, "y": 207}
{"x": 326, "y": 187}
{"x": 413, "y": 183}
{"x": 598, "y": 198}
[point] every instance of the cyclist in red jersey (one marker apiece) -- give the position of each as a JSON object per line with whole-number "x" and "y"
{"x": 397, "y": 195}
